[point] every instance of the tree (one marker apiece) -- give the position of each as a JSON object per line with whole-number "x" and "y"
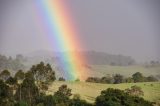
{"x": 27, "y": 91}
{"x": 79, "y": 102}
{"x": 63, "y": 94}
{"x": 43, "y": 87}
{"x": 93, "y": 79}
{"x": 20, "y": 75}
{"x": 151, "y": 79}
{"x": 11, "y": 81}
{"x": 51, "y": 77}
{"x": 49, "y": 101}
{"x": 138, "y": 77}
{"x": 61, "y": 79}
{"x": 135, "y": 91}
{"x": 107, "y": 79}
{"x": 43, "y": 72}
{"x": 118, "y": 79}
{"x": 9, "y": 63}
{"x": 129, "y": 80}
{"x": 45, "y": 100}
{"x": 76, "y": 101}
{"x": 4, "y": 93}
{"x": 4, "y": 75}
{"x": 116, "y": 97}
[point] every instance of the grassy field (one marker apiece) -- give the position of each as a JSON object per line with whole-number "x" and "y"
{"x": 102, "y": 70}
{"x": 89, "y": 91}
{"x": 126, "y": 71}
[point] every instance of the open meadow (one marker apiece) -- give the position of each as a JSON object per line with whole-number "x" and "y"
{"x": 89, "y": 91}
{"x": 126, "y": 71}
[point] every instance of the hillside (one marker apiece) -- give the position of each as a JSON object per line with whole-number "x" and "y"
{"x": 101, "y": 70}
{"x": 89, "y": 91}
{"x": 126, "y": 71}
{"x": 92, "y": 57}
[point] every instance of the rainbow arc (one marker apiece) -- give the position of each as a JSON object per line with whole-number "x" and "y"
{"x": 57, "y": 24}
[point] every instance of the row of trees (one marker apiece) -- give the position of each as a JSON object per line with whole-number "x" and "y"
{"x": 41, "y": 73}
{"x": 10, "y": 63}
{"x": 117, "y": 78}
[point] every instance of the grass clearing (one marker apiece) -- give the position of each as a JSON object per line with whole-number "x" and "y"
{"x": 101, "y": 70}
{"x": 89, "y": 91}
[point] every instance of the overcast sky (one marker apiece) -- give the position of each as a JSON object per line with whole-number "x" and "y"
{"x": 128, "y": 27}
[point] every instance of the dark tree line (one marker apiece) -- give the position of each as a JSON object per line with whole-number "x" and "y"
{"x": 118, "y": 78}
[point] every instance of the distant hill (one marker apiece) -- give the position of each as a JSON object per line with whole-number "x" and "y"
{"x": 98, "y": 64}
{"x": 92, "y": 57}
{"x": 10, "y": 64}
{"x": 101, "y": 58}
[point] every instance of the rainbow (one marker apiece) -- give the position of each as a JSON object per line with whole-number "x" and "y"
{"x": 59, "y": 27}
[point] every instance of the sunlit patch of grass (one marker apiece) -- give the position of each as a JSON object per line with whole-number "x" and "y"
{"x": 89, "y": 91}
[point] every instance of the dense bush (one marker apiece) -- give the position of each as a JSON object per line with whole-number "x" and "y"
{"x": 135, "y": 91}
{"x": 118, "y": 79}
{"x": 116, "y": 97}
{"x": 5, "y": 94}
{"x": 61, "y": 79}
{"x": 93, "y": 79}
{"x": 78, "y": 102}
{"x": 11, "y": 81}
{"x": 63, "y": 94}
{"x": 151, "y": 79}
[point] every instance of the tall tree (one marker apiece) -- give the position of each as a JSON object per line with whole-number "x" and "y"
{"x": 4, "y": 75}
{"x": 27, "y": 91}
{"x": 11, "y": 81}
{"x": 43, "y": 72}
{"x": 4, "y": 93}
{"x": 63, "y": 94}
{"x": 20, "y": 75}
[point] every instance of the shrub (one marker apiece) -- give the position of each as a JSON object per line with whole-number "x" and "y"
{"x": 62, "y": 95}
{"x": 135, "y": 91}
{"x": 138, "y": 77}
{"x": 93, "y": 79}
{"x": 61, "y": 79}
{"x": 118, "y": 79}
{"x": 116, "y": 97}
{"x": 151, "y": 79}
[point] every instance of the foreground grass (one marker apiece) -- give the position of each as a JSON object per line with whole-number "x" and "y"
{"x": 89, "y": 91}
